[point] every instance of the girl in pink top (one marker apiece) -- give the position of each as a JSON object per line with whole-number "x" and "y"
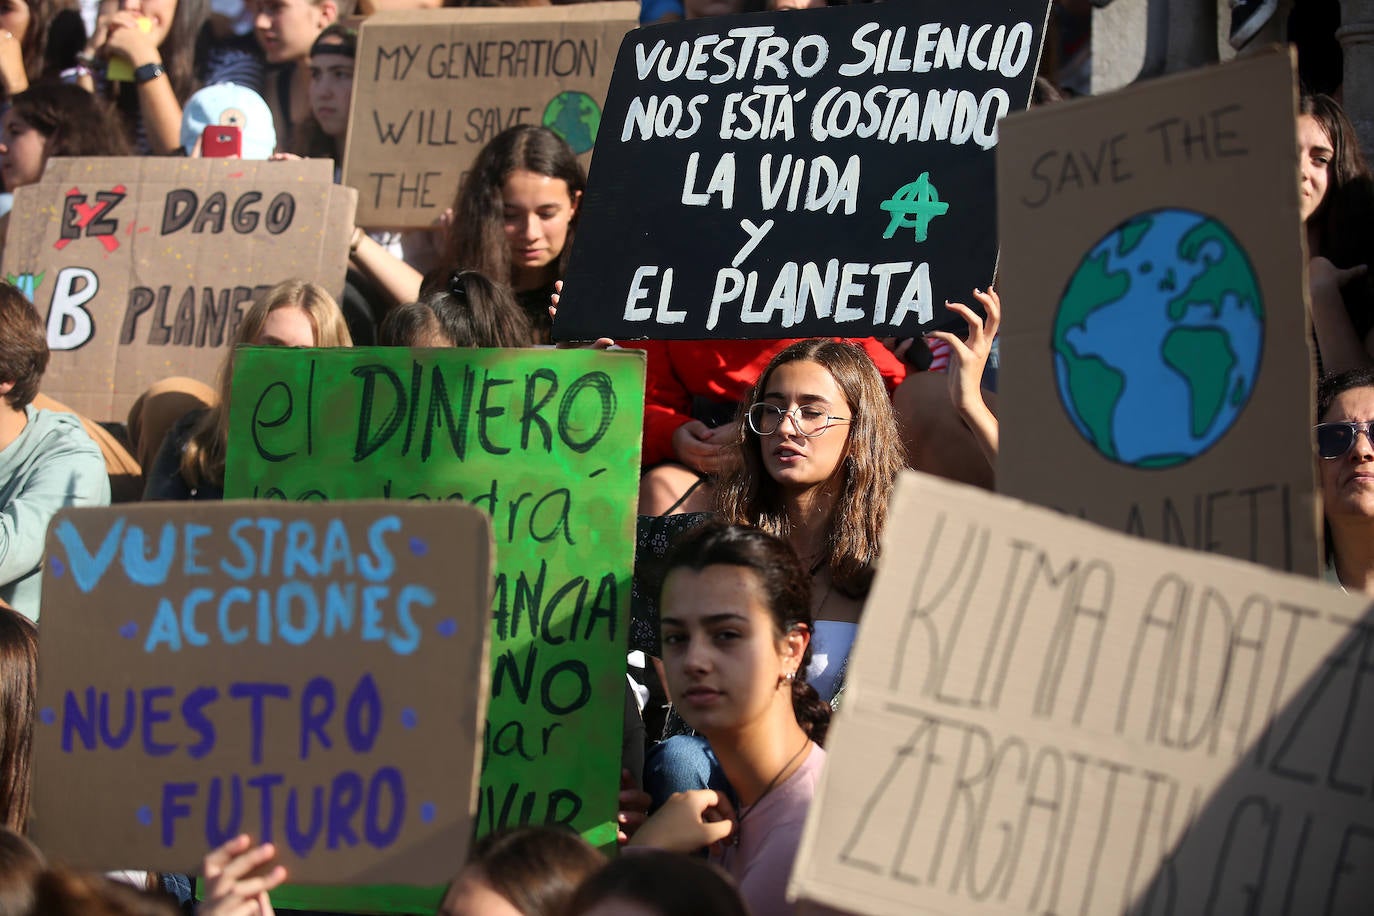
{"x": 736, "y": 623}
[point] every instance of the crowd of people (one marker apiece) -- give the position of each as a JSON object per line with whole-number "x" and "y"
{"x": 767, "y": 464}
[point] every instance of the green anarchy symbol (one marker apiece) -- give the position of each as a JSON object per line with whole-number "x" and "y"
{"x": 919, "y": 200}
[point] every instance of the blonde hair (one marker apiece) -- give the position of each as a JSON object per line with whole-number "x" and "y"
{"x": 202, "y": 461}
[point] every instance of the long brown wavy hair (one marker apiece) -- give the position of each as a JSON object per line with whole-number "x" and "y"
{"x": 34, "y": 44}
{"x": 202, "y": 461}
{"x": 188, "y": 41}
{"x": 1348, "y": 167}
{"x": 477, "y": 237}
{"x": 747, "y": 495}
{"x": 18, "y": 696}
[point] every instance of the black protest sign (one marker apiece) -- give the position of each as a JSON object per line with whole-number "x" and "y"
{"x": 799, "y": 173}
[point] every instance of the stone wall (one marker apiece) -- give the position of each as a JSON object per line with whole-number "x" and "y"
{"x": 1140, "y": 39}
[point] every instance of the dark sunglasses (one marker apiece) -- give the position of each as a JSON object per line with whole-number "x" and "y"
{"x": 1335, "y": 439}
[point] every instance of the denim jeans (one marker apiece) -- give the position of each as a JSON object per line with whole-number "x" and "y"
{"x": 679, "y": 764}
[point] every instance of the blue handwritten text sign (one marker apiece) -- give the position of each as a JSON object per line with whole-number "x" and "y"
{"x": 310, "y": 675}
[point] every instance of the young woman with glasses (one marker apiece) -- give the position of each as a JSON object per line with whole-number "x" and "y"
{"x": 816, "y": 459}
{"x": 815, "y": 465}
{"x": 1345, "y": 407}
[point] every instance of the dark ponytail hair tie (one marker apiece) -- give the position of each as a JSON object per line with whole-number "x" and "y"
{"x": 458, "y": 284}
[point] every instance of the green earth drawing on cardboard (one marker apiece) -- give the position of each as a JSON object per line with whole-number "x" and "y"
{"x": 575, "y": 117}
{"x": 1158, "y": 338}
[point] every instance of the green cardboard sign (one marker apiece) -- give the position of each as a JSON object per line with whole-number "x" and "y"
{"x": 547, "y": 443}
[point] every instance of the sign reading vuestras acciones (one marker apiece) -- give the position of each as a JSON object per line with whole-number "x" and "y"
{"x": 313, "y": 675}
{"x": 802, "y": 173}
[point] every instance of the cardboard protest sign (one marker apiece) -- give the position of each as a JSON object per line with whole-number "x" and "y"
{"x": 545, "y": 441}
{"x": 431, "y": 87}
{"x": 1043, "y": 715}
{"x": 799, "y": 173}
{"x": 143, "y": 267}
{"x": 1156, "y": 376}
{"x": 310, "y": 675}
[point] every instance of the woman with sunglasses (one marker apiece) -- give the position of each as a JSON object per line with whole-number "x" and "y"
{"x": 1345, "y": 407}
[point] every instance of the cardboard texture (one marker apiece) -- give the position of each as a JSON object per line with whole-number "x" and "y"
{"x": 1043, "y": 715}
{"x": 433, "y": 86}
{"x": 799, "y": 173}
{"x": 547, "y": 442}
{"x": 143, "y": 267}
{"x": 1156, "y": 375}
{"x": 311, "y": 675}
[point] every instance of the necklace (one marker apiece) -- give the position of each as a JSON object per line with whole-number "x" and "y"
{"x": 772, "y": 784}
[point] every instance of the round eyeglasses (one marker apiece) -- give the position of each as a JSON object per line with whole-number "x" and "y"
{"x": 808, "y": 419}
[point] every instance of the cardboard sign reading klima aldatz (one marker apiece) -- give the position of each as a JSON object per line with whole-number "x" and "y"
{"x": 1045, "y": 716}
{"x": 314, "y": 676}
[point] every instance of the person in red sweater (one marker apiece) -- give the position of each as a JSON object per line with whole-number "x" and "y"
{"x": 692, "y": 391}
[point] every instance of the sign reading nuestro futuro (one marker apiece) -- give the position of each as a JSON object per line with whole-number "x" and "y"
{"x": 802, "y": 173}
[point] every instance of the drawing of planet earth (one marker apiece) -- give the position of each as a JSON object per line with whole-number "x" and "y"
{"x": 575, "y": 117}
{"x": 1158, "y": 337}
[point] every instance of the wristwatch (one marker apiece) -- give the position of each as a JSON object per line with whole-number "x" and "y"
{"x": 147, "y": 73}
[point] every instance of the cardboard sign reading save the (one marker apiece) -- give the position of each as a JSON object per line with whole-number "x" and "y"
{"x": 1046, "y": 716}
{"x": 799, "y": 173}
{"x": 547, "y": 442}
{"x": 311, "y": 675}
{"x": 143, "y": 267}
{"x": 1156, "y": 376}
{"x": 433, "y": 86}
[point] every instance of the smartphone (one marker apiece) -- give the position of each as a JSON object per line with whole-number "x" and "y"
{"x": 220, "y": 141}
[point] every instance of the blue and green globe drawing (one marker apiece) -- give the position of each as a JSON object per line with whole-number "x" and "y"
{"x": 1158, "y": 338}
{"x": 575, "y": 117}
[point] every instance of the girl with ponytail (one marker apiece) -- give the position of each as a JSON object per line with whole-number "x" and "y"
{"x": 736, "y": 628}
